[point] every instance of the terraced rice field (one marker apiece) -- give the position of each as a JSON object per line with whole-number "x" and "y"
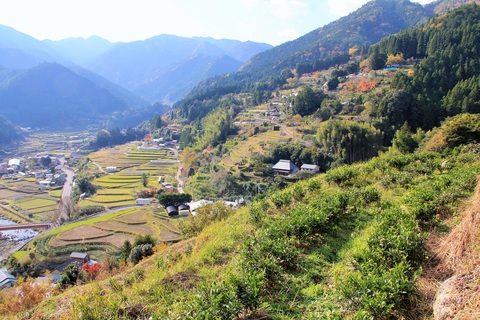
{"x": 113, "y": 229}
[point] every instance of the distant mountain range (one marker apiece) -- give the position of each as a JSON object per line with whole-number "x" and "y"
{"x": 108, "y": 77}
{"x": 166, "y": 67}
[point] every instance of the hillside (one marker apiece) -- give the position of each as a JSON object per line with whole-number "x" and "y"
{"x": 345, "y": 244}
{"x": 50, "y": 95}
{"x": 363, "y": 27}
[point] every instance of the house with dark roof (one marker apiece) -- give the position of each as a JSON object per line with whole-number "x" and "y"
{"x": 6, "y": 279}
{"x": 284, "y": 167}
{"x": 310, "y": 168}
{"x": 80, "y": 257}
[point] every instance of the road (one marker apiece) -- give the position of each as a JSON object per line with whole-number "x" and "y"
{"x": 179, "y": 180}
{"x": 67, "y": 189}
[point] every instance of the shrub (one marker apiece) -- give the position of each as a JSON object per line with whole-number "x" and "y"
{"x": 139, "y": 252}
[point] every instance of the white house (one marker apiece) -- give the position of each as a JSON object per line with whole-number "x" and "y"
{"x": 111, "y": 169}
{"x": 6, "y": 279}
{"x": 143, "y": 201}
{"x": 310, "y": 168}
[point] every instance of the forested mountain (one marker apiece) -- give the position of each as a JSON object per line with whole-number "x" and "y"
{"x": 319, "y": 49}
{"x": 141, "y": 65}
{"x": 51, "y": 95}
{"x": 363, "y": 27}
{"x": 446, "y": 81}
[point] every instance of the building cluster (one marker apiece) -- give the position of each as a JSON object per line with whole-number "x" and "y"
{"x": 44, "y": 178}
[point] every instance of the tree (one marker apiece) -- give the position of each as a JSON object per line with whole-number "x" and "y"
{"x": 376, "y": 60}
{"x": 70, "y": 275}
{"x": 156, "y": 122}
{"x": 349, "y": 141}
{"x": 404, "y": 141}
{"x": 144, "y": 179}
{"x": 166, "y": 199}
{"x": 333, "y": 83}
{"x": 83, "y": 183}
{"x": 125, "y": 251}
{"x": 307, "y": 101}
{"x": 139, "y": 252}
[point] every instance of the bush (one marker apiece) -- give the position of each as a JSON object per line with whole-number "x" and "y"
{"x": 139, "y": 252}
{"x": 204, "y": 216}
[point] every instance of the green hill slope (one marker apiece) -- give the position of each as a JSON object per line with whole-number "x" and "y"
{"x": 347, "y": 244}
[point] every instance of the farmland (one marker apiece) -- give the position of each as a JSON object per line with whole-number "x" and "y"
{"x": 104, "y": 234}
{"x": 119, "y": 188}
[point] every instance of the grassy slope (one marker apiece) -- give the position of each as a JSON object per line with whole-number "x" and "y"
{"x": 306, "y": 252}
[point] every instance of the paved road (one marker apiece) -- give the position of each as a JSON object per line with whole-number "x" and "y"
{"x": 67, "y": 188}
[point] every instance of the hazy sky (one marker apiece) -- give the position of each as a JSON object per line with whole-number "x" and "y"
{"x": 270, "y": 21}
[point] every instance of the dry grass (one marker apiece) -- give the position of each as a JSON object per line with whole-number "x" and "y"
{"x": 82, "y": 233}
{"x": 461, "y": 246}
{"x": 458, "y": 253}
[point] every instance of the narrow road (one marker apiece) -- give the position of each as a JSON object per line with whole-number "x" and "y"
{"x": 179, "y": 180}
{"x": 67, "y": 188}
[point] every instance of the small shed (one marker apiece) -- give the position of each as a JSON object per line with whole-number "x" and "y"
{"x": 80, "y": 257}
{"x": 172, "y": 210}
{"x": 143, "y": 201}
{"x": 111, "y": 169}
{"x": 310, "y": 168}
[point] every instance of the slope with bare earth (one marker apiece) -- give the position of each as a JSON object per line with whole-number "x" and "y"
{"x": 459, "y": 296}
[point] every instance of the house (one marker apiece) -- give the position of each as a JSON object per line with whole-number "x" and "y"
{"x": 14, "y": 163}
{"x": 310, "y": 168}
{"x": 80, "y": 257}
{"x": 172, "y": 210}
{"x": 142, "y": 201}
{"x": 111, "y": 169}
{"x": 3, "y": 168}
{"x": 6, "y": 279}
{"x": 285, "y": 167}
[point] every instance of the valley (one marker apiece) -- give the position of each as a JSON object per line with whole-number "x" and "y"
{"x": 334, "y": 176}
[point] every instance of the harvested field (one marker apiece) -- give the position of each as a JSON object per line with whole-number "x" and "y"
{"x": 168, "y": 236}
{"x": 116, "y": 240}
{"x": 133, "y": 218}
{"x": 125, "y": 228}
{"x": 82, "y": 233}
{"x": 8, "y": 194}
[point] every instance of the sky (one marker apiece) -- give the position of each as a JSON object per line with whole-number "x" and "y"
{"x": 269, "y": 21}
